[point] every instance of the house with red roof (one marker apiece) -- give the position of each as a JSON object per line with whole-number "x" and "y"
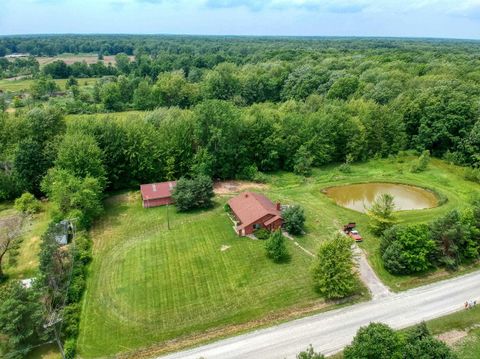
{"x": 254, "y": 211}
{"x": 157, "y": 194}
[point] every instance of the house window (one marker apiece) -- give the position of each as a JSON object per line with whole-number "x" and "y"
{"x": 257, "y": 226}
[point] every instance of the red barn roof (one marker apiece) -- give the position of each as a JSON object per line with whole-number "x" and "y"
{"x": 157, "y": 190}
{"x": 249, "y": 207}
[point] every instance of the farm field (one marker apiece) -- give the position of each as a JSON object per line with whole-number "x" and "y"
{"x": 24, "y": 84}
{"x": 149, "y": 285}
{"x": 72, "y": 58}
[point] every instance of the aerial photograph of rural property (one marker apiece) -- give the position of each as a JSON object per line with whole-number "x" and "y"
{"x": 240, "y": 179}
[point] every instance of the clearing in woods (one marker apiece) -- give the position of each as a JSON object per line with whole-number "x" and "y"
{"x": 149, "y": 285}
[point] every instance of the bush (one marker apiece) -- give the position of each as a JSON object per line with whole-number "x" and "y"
{"x": 70, "y": 348}
{"x": 294, "y": 219}
{"x": 71, "y": 320}
{"x": 262, "y": 233}
{"x": 408, "y": 249}
{"x": 310, "y": 354}
{"x": 276, "y": 248}
{"x": 27, "y": 203}
{"x": 421, "y": 163}
{"x": 472, "y": 174}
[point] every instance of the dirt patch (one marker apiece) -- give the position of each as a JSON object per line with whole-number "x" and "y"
{"x": 452, "y": 337}
{"x": 224, "y": 247}
{"x": 221, "y": 332}
{"x": 229, "y": 187}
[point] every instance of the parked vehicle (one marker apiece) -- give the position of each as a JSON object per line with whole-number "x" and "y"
{"x": 349, "y": 230}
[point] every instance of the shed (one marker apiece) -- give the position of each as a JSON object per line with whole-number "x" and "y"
{"x": 157, "y": 194}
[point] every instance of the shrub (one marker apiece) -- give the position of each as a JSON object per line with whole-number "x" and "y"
{"x": 27, "y": 203}
{"x": 70, "y": 348}
{"x": 408, "y": 249}
{"x": 294, "y": 219}
{"x": 262, "y": 233}
{"x": 421, "y": 163}
{"x": 310, "y": 354}
{"x": 472, "y": 174}
{"x": 381, "y": 213}
{"x": 276, "y": 248}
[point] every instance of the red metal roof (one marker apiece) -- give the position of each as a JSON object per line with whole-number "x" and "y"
{"x": 249, "y": 207}
{"x": 157, "y": 190}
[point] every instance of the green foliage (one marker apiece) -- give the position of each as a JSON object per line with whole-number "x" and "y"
{"x": 222, "y": 82}
{"x": 378, "y": 340}
{"x": 193, "y": 193}
{"x": 27, "y": 203}
{"x": 276, "y": 248}
{"x": 409, "y": 249}
{"x": 472, "y": 174}
{"x": 20, "y": 318}
{"x": 343, "y": 88}
{"x": 294, "y": 219}
{"x": 381, "y": 213}
{"x": 70, "y": 348}
{"x": 80, "y": 155}
{"x": 43, "y": 87}
{"x": 332, "y": 272}
{"x": 310, "y": 354}
{"x": 303, "y": 162}
{"x": 421, "y": 164}
{"x": 262, "y": 233}
{"x": 374, "y": 341}
{"x": 74, "y": 197}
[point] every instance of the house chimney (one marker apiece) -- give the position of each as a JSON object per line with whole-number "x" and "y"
{"x": 154, "y": 187}
{"x": 278, "y": 206}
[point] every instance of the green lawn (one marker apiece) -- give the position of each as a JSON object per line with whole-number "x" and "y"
{"x": 324, "y": 216}
{"x": 148, "y": 285}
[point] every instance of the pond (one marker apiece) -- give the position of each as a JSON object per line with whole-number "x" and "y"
{"x": 361, "y": 195}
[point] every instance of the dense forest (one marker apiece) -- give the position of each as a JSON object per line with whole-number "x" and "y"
{"x": 222, "y": 108}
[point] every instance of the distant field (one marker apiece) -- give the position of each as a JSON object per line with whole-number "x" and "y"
{"x": 24, "y": 84}
{"x": 72, "y": 58}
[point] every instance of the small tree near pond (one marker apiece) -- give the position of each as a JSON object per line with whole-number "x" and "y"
{"x": 421, "y": 163}
{"x": 293, "y": 219}
{"x": 193, "y": 193}
{"x": 332, "y": 272}
{"x": 381, "y": 213}
{"x": 276, "y": 248}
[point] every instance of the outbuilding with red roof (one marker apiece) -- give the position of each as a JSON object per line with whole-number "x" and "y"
{"x": 254, "y": 211}
{"x": 157, "y": 194}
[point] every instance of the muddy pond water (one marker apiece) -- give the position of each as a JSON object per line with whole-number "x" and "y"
{"x": 361, "y": 195}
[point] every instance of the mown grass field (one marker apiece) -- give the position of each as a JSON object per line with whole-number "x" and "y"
{"x": 23, "y": 85}
{"x": 149, "y": 285}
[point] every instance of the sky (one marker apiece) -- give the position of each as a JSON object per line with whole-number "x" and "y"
{"x": 392, "y": 18}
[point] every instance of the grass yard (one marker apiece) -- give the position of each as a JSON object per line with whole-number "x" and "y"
{"x": 27, "y": 259}
{"x": 23, "y": 85}
{"x": 324, "y": 216}
{"x": 149, "y": 285}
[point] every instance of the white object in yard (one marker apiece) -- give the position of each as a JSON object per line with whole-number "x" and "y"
{"x": 27, "y": 283}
